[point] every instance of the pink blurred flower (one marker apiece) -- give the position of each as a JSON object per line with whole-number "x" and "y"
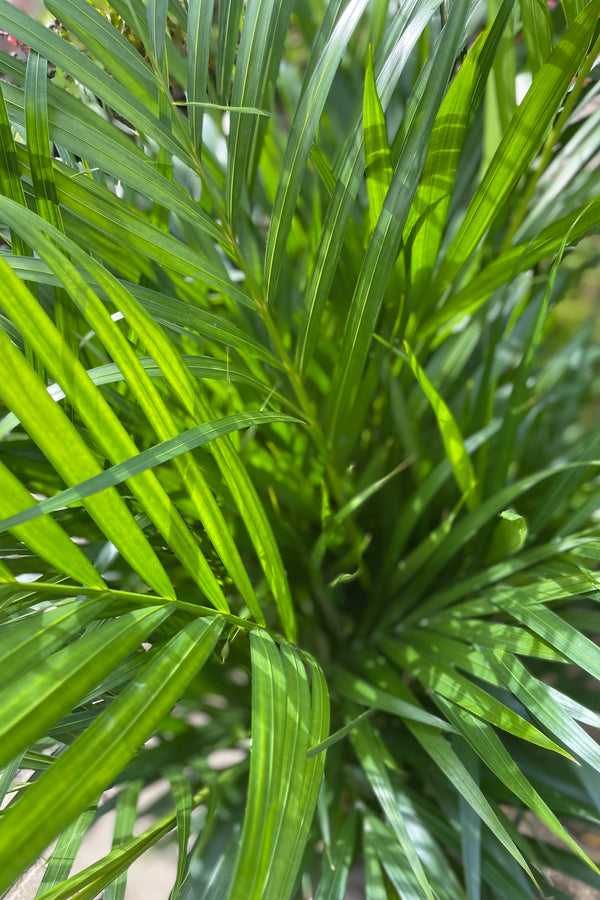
{"x": 33, "y": 8}
{"x": 10, "y": 45}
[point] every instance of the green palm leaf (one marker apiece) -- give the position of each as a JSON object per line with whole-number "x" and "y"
{"x": 288, "y": 718}
{"x": 220, "y": 217}
{"x": 101, "y": 752}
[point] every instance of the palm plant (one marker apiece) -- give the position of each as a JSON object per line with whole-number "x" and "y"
{"x": 294, "y": 438}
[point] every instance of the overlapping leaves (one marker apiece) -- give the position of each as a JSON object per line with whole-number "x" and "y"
{"x": 277, "y": 281}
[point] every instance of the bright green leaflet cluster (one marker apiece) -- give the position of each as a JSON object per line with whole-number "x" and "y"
{"x": 299, "y": 445}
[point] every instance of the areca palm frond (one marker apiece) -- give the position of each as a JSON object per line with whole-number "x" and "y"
{"x": 296, "y": 451}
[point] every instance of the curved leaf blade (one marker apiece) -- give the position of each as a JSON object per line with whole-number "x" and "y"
{"x": 522, "y": 139}
{"x": 47, "y": 692}
{"x": 305, "y": 124}
{"x": 48, "y": 425}
{"x": 288, "y": 717}
{"x": 142, "y": 462}
{"x": 90, "y": 764}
